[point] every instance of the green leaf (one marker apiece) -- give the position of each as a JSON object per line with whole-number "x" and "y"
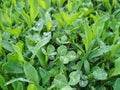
{"x": 12, "y": 68}
{"x": 102, "y": 88}
{"x": 71, "y": 55}
{"x": 116, "y": 85}
{"x": 40, "y": 88}
{"x": 34, "y": 9}
{"x": 45, "y": 76}
{"x": 31, "y": 73}
{"x": 66, "y": 88}
{"x": 64, "y": 38}
{"x": 60, "y": 81}
{"x": 41, "y": 58}
{"x": 29, "y": 43}
{"x": 74, "y": 77}
{"x": 87, "y": 66}
{"x": 19, "y": 86}
{"x": 116, "y": 70}
{"x": 50, "y": 49}
{"x": 64, "y": 59}
{"x": 100, "y": 51}
{"x": 83, "y": 83}
{"x": 2, "y": 83}
{"x": 54, "y": 71}
{"x": 100, "y": 74}
{"x": 6, "y": 45}
{"x": 41, "y": 43}
{"x": 5, "y": 36}
{"x": 62, "y": 50}
{"x": 38, "y": 25}
{"x": 59, "y": 44}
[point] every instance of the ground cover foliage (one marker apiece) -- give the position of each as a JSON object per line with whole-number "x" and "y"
{"x": 59, "y": 45}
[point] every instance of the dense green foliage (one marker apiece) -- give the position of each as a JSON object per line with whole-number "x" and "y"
{"x": 59, "y": 45}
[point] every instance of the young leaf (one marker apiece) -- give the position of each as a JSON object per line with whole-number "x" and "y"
{"x": 26, "y": 18}
{"x": 64, "y": 16}
{"x": 73, "y": 17}
{"x": 31, "y": 87}
{"x": 48, "y": 21}
{"x": 42, "y": 4}
{"x": 69, "y": 6}
{"x": 18, "y": 51}
{"x": 2, "y": 83}
{"x": 7, "y": 20}
{"x": 59, "y": 20}
{"x": 60, "y": 2}
{"x": 34, "y": 9}
{"x": 114, "y": 49}
{"x": 15, "y": 31}
{"x": 88, "y": 35}
{"x": 98, "y": 26}
{"x": 20, "y": 44}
